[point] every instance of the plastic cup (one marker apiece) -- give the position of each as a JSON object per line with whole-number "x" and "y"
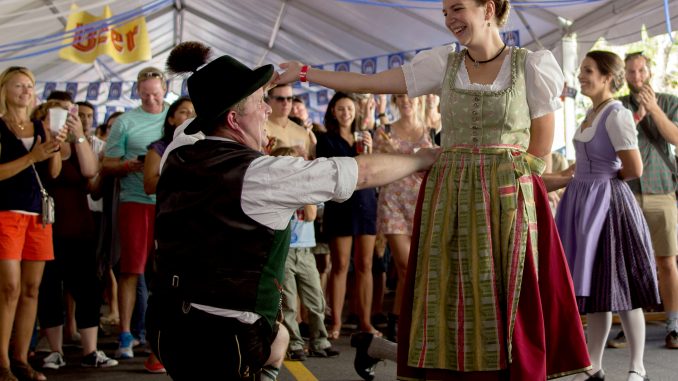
{"x": 359, "y": 145}
{"x": 57, "y": 119}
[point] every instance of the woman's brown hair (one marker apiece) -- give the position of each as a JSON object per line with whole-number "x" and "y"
{"x": 501, "y": 10}
{"x": 611, "y": 65}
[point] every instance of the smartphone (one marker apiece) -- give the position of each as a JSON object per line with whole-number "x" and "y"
{"x": 141, "y": 158}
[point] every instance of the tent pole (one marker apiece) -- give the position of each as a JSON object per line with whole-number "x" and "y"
{"x": 529, "y": 29}
{"x": 274, "y": 32}
{"x": 570, "y": 63}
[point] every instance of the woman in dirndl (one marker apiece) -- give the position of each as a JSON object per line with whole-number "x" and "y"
{"x": 488, "y": 295}
{"x": 606, "y": 240}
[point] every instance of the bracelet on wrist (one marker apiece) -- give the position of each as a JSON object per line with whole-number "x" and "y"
{"x": 303, "y": 73}
{"x": 381, "y": 115}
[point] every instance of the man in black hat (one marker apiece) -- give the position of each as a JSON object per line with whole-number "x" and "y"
{"x": 222, "y": 225}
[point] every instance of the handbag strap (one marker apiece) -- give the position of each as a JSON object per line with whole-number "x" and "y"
{"x": 37, "y": 177}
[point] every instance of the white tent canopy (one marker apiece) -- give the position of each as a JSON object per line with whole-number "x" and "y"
{"x": 313, "y": 31}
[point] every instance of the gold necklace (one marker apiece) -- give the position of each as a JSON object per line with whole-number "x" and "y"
{"x": 19, "y": 124}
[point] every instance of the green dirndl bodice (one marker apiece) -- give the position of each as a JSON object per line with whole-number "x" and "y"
{"x": 477, "y": 217}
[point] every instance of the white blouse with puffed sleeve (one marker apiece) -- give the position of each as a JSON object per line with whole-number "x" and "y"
{"x": 619, "y": 125}
{"x": 543, "y": 77}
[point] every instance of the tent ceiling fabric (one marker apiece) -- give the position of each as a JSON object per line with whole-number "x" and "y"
{"x": 313, "y": 31}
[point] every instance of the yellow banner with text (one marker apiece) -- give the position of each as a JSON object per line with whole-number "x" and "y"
{"x": 125, "y": 43}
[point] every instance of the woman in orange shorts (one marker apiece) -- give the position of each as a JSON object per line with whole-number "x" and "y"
{"x": 25, "y": 244}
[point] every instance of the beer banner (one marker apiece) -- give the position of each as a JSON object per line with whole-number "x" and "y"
{"x": 125, "y": 43}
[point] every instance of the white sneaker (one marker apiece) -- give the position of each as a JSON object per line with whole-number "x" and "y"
{"x": 98, "y": 359}
{"x": 54, "y": 360}
{"x": 126, "y": 343}
{"x": 124, "y": 353}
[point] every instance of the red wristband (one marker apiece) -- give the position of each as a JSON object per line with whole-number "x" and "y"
{"x": 303, "y": 73}
{"x": 126, "y": 166}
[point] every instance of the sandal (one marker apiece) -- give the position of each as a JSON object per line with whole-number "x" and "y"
{"x": 110, "y": 320}
{"x": 6, "y": 375}
{"x": 333, "y": 334}
{"x": 373, "y": 331}
{"x": 25, "y": 372}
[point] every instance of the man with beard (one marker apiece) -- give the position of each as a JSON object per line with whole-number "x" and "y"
{"x": 656, "y": 116}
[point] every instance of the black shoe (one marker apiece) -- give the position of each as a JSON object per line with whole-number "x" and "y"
{"x": 599, "y": 375}
{"x": 297, "y": 355}
{"x": 645, "y": 377}
{"x": 672, "y": 340}
{"x": 326, "y": 353}
{"x": 351, "y": 322}
{"x": 619, "y": 341}
{"x": 363, "y": 364}
{"x": 379, "y": 320}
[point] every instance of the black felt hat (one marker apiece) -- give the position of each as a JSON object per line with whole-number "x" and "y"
{"x": 219, "y": 85}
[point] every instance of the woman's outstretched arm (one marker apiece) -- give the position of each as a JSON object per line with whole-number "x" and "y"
{"x": 390, "y": 81}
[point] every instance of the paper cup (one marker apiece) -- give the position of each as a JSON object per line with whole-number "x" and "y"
{"x": 57, "y": 119}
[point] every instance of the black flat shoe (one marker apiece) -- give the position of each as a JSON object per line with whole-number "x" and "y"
{"x": 645, "y": 377}
{"x": 599, "y": 375}
{"x": 363, "y": 364}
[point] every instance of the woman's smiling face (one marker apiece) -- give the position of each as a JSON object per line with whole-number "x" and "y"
{"x": 591, "y": 80}
{"x": 344, "y": 111}
{"x": 463, "y": 18}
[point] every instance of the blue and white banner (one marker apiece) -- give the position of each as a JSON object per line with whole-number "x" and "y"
{"x": 306, "y": 98}
{"x": 323, "y": 97}
{"x": 511, "y": 37}
{"x": 396, "y": 60}
{"x": 115, "y": 91}
{"x": 342, "y": 66}
{"x": 72, "y": 88}
{"x": 49, "y": 87}
{"x": 369, "y": 65}
{"x": 93, "y": 91}
{"x": 135, "y": 91}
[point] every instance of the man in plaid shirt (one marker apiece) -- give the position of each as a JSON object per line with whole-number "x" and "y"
{"x": 656, "y": 116}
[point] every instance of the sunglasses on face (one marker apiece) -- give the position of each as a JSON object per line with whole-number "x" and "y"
{"x": 148, "y": 75}
{"x": 282, "y": 99}
{"x": 635, "y": 54}
{"x": 16, "y": 68}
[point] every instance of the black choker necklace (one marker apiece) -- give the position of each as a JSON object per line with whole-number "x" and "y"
{"x": 476, "y": 64}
